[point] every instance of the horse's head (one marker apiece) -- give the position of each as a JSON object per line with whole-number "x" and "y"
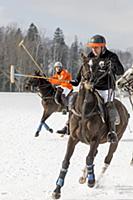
{"x": 38, "y": 82}
{"x": 32, "y": 82}
{"x": 126, "y": 79}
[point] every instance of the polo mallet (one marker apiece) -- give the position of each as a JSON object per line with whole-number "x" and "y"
{"x": 21, "y": 44}
{"x": 13, "y": 74}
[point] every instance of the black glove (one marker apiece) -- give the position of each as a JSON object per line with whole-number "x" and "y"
{"x": 74, "y": 82}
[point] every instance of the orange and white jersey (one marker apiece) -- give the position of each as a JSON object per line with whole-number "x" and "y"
{"x": 61, "y": 79}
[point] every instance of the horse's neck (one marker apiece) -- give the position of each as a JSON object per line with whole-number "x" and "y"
{"x": 86, "y": 101}
{"x": 80, "y": 99}
{"x": 46, "y": 90}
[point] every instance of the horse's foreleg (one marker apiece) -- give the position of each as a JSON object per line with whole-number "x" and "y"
{"x": 65, "y": 164}
{"x": 83, "y": 178}
{"x": 89, "y": 163}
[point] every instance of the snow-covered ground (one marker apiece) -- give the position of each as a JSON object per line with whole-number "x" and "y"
{"x": 29, "y": 166}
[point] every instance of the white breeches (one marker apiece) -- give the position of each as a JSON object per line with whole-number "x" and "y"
{"x": 66, "y": 91}
{"x": 108, "y": 95}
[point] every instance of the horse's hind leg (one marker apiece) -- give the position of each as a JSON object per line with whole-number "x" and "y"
{"x": 65, "y": 164}
{"x": 107, "y": 160}
{"x": 38, "y": 129}
{"x": 43, "y": 123}
{"x": 112, "y": 149}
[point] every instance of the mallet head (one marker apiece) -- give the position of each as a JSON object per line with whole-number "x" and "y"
{"x": 21, "y": 43}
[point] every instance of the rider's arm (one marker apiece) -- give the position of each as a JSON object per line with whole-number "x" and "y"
{"x": 78, "y": 78}
{"x": 54, "y": 80}
{"x": 117, "y": 67}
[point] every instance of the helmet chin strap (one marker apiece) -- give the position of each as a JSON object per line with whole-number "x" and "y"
{"x": 103, "y": 50}
{"x": 59, "y": 72}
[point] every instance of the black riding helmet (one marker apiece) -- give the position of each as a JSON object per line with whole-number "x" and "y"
{"x": 97, "y": 41}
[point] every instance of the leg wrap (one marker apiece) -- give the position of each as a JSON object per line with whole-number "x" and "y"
{"x": 60, "y": 180}
{"x": 46, "y": 126}
{"x": 91, "y": 175}
{"x": 90, "y": 169}
{"x": 40, "y": 127}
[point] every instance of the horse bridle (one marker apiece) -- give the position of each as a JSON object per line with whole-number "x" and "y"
{"x": 128, "y": 83}
{"x": 127, "y": 86}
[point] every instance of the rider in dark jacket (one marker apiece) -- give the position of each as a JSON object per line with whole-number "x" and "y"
{"x": 105, "y": 65}
{"x": 99, "y": 66}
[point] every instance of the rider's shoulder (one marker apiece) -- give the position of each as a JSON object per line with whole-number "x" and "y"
{"x": 90, "y": 55}
{"x": 110, "y": 54}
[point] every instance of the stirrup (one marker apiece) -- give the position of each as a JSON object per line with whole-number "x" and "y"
{"x": 112, "y": 137}
{"x": 64, "y": 111}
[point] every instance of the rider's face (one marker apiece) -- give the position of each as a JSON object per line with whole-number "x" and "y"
{"x": 57, "y": 69}
{"x": 97, "y": 50}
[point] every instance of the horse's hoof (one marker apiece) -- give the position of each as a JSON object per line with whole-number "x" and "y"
{"x": 82, "y": 180}
{"x": 91, "y": 180}
{"x": 91, "y": 183}
{"x": 51, "y": 130}
{"x": 56, "y": 195}
{"x": 37, "y": 134}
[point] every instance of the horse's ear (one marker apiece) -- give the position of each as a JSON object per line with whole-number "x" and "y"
{"x": 44, "y": 75}
{"x": 37, "y": 72}
{"x": 84, "y": 57}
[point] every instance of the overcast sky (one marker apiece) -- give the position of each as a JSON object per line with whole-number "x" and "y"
{"x": 84, "y": 18}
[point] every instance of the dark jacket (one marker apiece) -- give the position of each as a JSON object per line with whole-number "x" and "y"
{"x": 104, "y": 69}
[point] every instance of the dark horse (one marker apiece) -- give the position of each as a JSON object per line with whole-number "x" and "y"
{"x": 87, "y": 126}
{"x": 47, "y": 92}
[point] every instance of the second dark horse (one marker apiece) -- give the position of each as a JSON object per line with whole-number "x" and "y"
{"x": 47, "y": 92}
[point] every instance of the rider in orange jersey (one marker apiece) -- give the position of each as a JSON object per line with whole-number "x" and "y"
{"x": 61, "y": 78}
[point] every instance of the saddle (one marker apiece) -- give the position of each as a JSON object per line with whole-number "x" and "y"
{"x": 62, "y": 99}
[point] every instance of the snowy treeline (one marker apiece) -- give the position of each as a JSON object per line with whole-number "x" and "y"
{"x": 45, "y": 51}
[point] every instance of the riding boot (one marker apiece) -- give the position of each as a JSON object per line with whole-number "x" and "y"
{"x": 58, "y": 94}
{"x": 64, "y": 100}
{"x": 64, "y": 130}
{"x": 71, "y": 101}
{"x": 111, "y": 111}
